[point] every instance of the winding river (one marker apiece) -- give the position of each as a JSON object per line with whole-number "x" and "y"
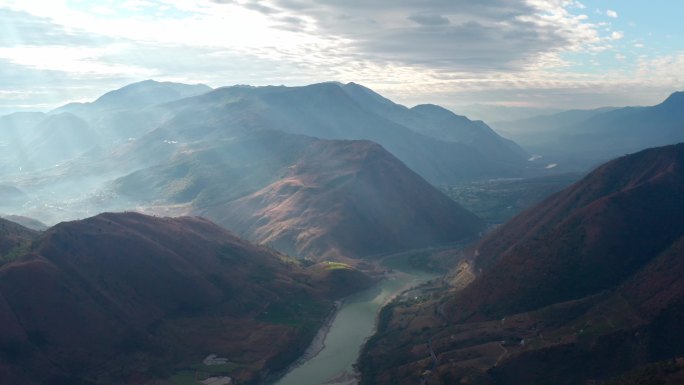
{"x": 353, "y": 323}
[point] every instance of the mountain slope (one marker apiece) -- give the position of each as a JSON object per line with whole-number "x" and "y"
{"x": 307, "y": 197}
{"x": 126, "y": 298}
{"x": 138, "y": 95}
{"x": 439, "y": 123}
{"x": 326, "y": 111}
{"x": 539, "y": 129}
{"x": 348, "y": 199}
{"x": 12, "y": 237}
{"x": 582, "y": 287}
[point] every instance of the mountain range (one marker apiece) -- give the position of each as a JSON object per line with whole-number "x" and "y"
{"x": 579, "y": 140}
{"x": 291, "y": 167}
{"x": 586, "y": 279}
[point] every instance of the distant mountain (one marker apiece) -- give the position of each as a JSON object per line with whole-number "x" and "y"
{"x": 496, "y": 113}
{"x": 29, "y": 223}
{"x": 12, "y": 237}
{"x": 437, "y": 122}
{"x": 210, "y": 153}
{"x": 128, "y": 299}
{"x": 34, "y": 141}
{"x": 539, "y": 129}
{"x": 580, "y": 140}
{"x": 583, "y": 287}
{"x": 336, "y": 111}
{"x": 138, "y": 95}
{"x": 16, "y": 132}
{"x": 308, "y": 197}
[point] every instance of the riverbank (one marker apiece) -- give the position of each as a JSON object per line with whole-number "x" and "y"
{"x": 332, "y": 355}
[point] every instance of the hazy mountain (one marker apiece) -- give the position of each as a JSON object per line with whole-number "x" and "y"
{"x": 12, "y": 237}
{"x": 305, "y": 196}
{"x": 496, "y": 113}
{"x": 327, "y": 111}
{"x": 27, "y": 222}
{"x": 16, "y": 132}
{"x": 538, "y": 129}
{"x": 584, "y": 139}
{"x": 133, "y": 110}
{"x": 437, "y": 122}
{"x": 127, "y": 298}
{"x": 137, "y": 95}
{"x": 582, "y": 287}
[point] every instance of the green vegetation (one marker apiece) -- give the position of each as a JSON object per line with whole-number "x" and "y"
{"x": 22, "y": 248}
{"x": 497, "y": 201}
{"x": 296, "y": 312}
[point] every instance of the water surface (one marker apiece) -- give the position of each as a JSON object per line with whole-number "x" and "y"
{"x": 352, "y": 325}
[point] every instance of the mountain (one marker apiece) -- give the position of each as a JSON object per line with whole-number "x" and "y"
{"x": 29, "y": 223}
{"x": 332, "y": 111}
{"x": 152, "y": 124}
{"x": 36, "y": 141}
{"x": 590, "y": 138}
{"x": 138, "y": 95}
{"x": 308, "y": 197}
{"x": 16, "y": 131}
{"x": 13, "y": 237}
{"x": 497, "y": 113}
{"x": 128, "y": 298}
{"x": 582, "y": 287}
{"x": 439, "y": 123}
{"x": 538, "y": 129}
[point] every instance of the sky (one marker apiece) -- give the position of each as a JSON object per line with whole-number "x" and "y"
{"x": 536, "y": 54}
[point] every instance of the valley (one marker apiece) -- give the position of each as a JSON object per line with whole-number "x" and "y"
{"x": 324, "y": 234}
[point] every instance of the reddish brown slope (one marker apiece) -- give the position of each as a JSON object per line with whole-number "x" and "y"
{"x": 102, "y": 299}
{"x": 347, "y": 199}
{"x": 584, "y": 239}
{"x": 586, "y": 286}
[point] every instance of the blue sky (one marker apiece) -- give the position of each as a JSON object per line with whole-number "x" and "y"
{"x": 517, "y": 53}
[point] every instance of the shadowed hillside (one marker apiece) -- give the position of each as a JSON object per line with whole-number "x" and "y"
{"x": 582, "y": 287}
{"x": 126, "y": 298}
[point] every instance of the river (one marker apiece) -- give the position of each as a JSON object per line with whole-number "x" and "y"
{"x": 353, "y": 323}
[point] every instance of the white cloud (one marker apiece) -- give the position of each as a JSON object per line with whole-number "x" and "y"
{"x": 611, "y": 13}
{"x": 75, "y": 60}
{"x": 410, "y": 49}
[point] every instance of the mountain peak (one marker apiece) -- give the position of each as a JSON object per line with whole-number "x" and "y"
{"x": 676, "y": 98}
{"x": 149, "y": 92}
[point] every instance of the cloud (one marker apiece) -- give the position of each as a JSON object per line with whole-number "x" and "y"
{"x": 611, "y": 13}
{"x": 21, "y": 28}
{"x": 616, "y": 35}
{"x": 481, "y": 36}
{"x": 415, "y": 51}
{"x": 429, "y": 20}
